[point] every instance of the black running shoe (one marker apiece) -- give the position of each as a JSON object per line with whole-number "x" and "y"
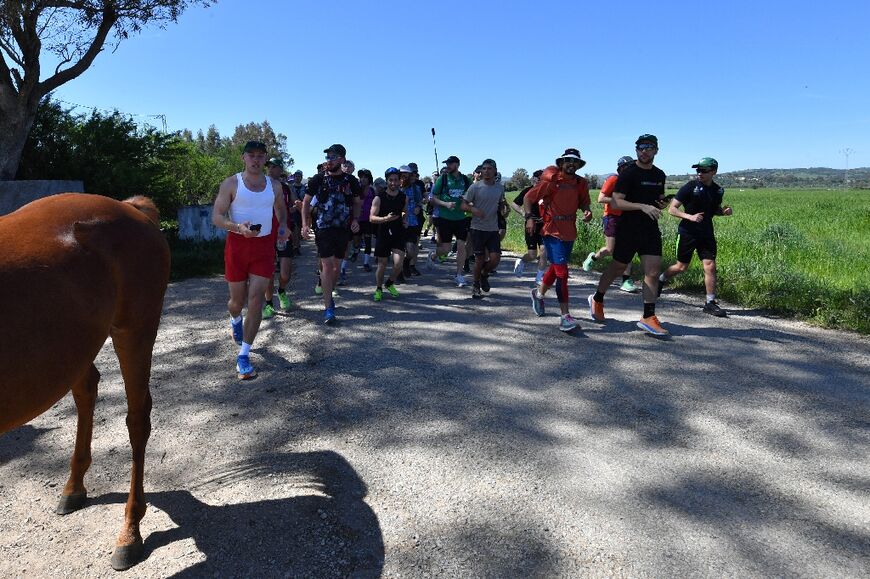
{"x": 712, "y": 308}
{"x": 484, "y": 283}
{"x": 476, "y": 293}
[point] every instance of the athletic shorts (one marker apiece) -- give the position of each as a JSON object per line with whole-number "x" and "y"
{"x": 609, "y": 223}
{"x": 633, "y": 240}
{"x": 367, "y": 228}
{"x": 687, "y": 244}
{"x": 412, "y": 233}
{"x": 389, "y": 239}
{"x": 332, "y": 242}
{"x": 483, "y": 241}
{"x": 449, "y": 228}
{"x": 287, "y": 251}
{"x": 558, "y": 251}
{"x": 245, "y": 256}
{"x": 534, "y": 239}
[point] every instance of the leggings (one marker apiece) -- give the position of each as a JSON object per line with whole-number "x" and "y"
{"x": 557, "y": 274}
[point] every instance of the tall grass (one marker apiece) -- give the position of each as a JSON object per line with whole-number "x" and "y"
{"x": 804, "y": 253}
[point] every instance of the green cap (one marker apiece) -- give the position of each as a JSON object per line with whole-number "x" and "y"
{"x": 278, "y": 162}
{"x": 706, "y": 163}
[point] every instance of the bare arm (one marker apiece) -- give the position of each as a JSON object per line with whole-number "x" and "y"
{"x": 306, "y": 216}
{"x": 220, "y": 210}
{"x": 280, "y": 211}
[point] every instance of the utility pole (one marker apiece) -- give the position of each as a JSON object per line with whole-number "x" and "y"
{"x": 846, "y": 152}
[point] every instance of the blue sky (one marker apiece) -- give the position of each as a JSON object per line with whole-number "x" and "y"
{"x": 754, "y": 84}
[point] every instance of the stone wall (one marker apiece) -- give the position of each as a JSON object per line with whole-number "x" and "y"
{"x": 194, "y": 222}
{"x": 17, "y": 194}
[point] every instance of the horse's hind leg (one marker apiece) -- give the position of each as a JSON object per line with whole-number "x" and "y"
{"x": 85, "y": 396}
{"x": 133, "y": 348}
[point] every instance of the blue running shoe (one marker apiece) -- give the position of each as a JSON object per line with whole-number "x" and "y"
{"x": 244, "y": 368}
{"x": 329, "y": 315}
{"x": 238, "y": 331}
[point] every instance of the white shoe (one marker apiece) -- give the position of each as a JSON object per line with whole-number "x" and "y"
{"x": 519, "y": 267}
{"x": 430, "y": 265}
{"x": 460, "y": 280}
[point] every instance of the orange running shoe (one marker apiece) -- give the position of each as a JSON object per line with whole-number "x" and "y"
{"x": 652, "y": 325}
{"x": 596, "y": 309}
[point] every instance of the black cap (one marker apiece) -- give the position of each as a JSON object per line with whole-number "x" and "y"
{"x": 647, "y": 138}
{"x": 537, "y": 174}
{"x": 413, "y": 167}
{"x": 451, "y": 159}
{"x": 255, "y": 146}
{"x": 337, "y": 149}
{"x": 275, "y": 161}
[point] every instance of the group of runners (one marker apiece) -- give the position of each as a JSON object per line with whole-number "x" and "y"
{"x": 267, "y": 213}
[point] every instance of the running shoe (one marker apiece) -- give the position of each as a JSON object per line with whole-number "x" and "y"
{"x": 712, "y": 308}
{"x": 318, "y": 290}
{"x": 476, "y": 293}
{"x": 460, "y": 280}
{"x": 587, "y": 263}
{"x": 284, "y": 301}
{"x": 519, "y": 267}
{"x": 537, "y": 303}
{"x": 484, "y": 283}
{"x": 238, "y": 331}
{"x": 329, "y": 315}
{"x": 442, "y": 258}
{"x": 244, "y": 368}
{"x": 393, "y": 290}
{"x": 628, "y": 286}
{"x": 379, "y": 294}
{"x": 652, "y": 325}
{"x": 415, "y": 271}
{"x": 268, "y": 311}
{"x": 596, "y": 309}
{"x": 567, "y": 323}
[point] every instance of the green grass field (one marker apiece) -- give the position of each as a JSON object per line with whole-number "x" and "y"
{"x": 804, "y": 253}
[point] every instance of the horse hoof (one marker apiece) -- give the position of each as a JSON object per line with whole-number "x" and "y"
{"x": 71, "y": 503}
{"x": 126, "y": 556}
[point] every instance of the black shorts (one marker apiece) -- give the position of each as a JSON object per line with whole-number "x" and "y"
{"x": 687, "y": 244}
{"x": 412, "y": 233}
{"x": 631, "y": 240}
{"x": 483, "y": 241}
{"x": 449, "y": 228}
{"x": 367, "y": 228}
{"x": 332, "y": 242}
{"x": 534, "y": 239}
{"x": 390, "y": 238}
{"x": 288, "y": 251}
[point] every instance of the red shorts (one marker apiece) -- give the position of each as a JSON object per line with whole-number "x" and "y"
{"x": 244, "y": 256}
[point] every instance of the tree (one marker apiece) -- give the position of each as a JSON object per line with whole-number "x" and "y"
{"x": 592, "y": 180}
{"x": 276, "y": 143}
{"x": 74, "y": 31}
{"x": 520, "y": 180}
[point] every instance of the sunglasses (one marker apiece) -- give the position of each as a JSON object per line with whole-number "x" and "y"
{"x": 703, "y": 171}
{"x": 331, "y": 157}
{"x": 645, "y": 147}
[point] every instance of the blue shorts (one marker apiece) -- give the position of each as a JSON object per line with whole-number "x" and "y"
{"x": 558, "y": 251}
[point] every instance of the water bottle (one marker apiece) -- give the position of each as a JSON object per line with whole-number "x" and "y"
{"x": 282, "y": 243}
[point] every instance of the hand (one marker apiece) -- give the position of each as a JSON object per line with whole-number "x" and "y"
{"x": 697, "y": 217}
{"x": 652, "y": 212}
{"x": 727, "y": 210}
{"x": 245, "y": 230}
{"x": 587, "y": 216}
{"x": 354, "y": 226}
{"x": 451, "y": 205}
{"x": 530, "y": 225}
{"x": 306, "y": 233}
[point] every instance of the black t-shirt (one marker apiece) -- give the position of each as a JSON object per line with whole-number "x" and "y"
{"x": 389, "y": 205}
{"x": 536, "y": 213}
{"x": 646, "y": 186}
{"x": 697, "y": 198}
{"x": 335, "y": 197}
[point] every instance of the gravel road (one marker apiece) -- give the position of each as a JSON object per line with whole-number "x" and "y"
{"x": 435, "y": 435}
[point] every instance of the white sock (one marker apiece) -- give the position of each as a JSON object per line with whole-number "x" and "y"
{"x": 245, "y": 349}
{"x": 236, "y": 320}
{"x": 710, "y": 297}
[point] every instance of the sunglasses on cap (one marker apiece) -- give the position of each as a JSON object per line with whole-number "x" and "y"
{"x": 645, "y": 147}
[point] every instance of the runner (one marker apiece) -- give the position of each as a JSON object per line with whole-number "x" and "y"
{"x": 275, "y": 167}
{"x": 608, "y": 223}
{"x": 244, "y": 207}
{"x": 534, "y": 242}
{"x": 702, "y": 199}
{"x": 338, "y": 207}
{"x": 449, "y": 217}
{"x": 298, "y": 188}
{"x": 560, "y": 194}
{"x": 365, "y": 226}
{"x": 413, "y": 190}
{"x": 639, "y": 190}
{"x": 387, "y": 213}
{"x": 483, "y": 200}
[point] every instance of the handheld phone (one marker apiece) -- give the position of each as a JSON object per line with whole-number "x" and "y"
{"x": 256, "y": 227}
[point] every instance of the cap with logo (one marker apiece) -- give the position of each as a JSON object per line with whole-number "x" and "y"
{"x": 706, "y": 163}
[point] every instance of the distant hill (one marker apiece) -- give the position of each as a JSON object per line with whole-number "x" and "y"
{"x": 812, "y": 177}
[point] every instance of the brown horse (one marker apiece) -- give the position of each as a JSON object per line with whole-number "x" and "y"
{"x": 74, "y": 270}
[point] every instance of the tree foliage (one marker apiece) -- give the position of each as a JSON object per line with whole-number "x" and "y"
{"x": 519, "y": 180}
{"x": 72, "y": 31}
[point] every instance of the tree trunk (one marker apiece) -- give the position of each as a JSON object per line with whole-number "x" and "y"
{"x": 12, "y": 139}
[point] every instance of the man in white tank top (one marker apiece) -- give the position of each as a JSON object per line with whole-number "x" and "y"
{"x": 244, "y": 206}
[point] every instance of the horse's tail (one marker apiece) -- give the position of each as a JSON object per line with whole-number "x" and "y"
{"x": 146, "y": 206}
